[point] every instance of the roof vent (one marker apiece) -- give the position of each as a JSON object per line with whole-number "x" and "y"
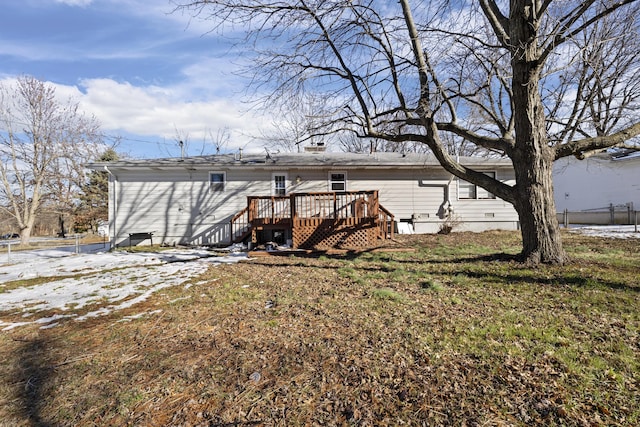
{"x": 315, "y": 148}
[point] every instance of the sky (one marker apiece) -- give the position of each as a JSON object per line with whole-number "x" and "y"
{"x": 151, "y": 76}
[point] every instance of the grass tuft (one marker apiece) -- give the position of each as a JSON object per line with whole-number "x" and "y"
{"x": 386, "y": 294}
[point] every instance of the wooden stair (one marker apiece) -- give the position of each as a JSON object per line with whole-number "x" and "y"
{"x": 317, "y": 220}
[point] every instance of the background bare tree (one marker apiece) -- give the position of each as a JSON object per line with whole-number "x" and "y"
{"x": 185, "y": 146}
{"x": 534, "y": 80}
{"x": 299, "y": 122}
{"x": 43, "y": 144}
{"x": 351, "y": 143}
{"x": 455, "y": 146}
{"x": 220, "y": 139}
{"x": 68, "y": 176}
{"x": 598, "y": 91}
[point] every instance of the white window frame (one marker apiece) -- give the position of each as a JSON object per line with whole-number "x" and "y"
{"x": 476, "y": 192}
{"x": 215, "y": 186}
{"x": 331, "y": 181}
{"x": 274, "y": 187}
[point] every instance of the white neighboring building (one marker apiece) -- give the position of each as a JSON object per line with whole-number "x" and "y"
{"x": 597, "y": 184}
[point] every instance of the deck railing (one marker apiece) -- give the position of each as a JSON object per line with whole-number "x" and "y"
{"x": 387, "y": 223}
{"x": 354, "y": 206}
{"x": 275, "y": 207}
{"x": 334, "y": 205}
{"x": 240, "y": 226}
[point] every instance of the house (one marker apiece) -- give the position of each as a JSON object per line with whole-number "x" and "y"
{"x": 601, "y": 189}
{"x": 207, "y": 200}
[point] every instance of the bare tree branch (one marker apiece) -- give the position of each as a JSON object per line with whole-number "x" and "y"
{"x": 582, "y": 147}
{"x": 563, "y": 31}
{"x": 498, "y": 21}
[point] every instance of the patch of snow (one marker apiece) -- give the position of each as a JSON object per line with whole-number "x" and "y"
{"x": 235, "y": 248}
{"x": 108, "y": 281}
{"x": 139, "y": 315}
{"x": 610, "y": 231}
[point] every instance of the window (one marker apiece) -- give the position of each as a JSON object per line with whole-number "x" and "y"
{"x": 279, "y": 187}
{"x": 337, "y": 181}
{"x": 466, "y": 190}
{"x": 217, "y": 181}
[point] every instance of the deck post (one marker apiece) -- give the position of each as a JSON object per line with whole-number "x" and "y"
{"x": 294, "y": 216}
{"x": 273, "y": 207}
{"x": 252, "y": 214}
{"x": 250, "y": 206}
{"x": 292, "y": 206}
{"x": 375, "y": 211}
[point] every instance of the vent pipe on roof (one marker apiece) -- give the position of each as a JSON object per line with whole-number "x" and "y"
{"x": 319, "y": 148}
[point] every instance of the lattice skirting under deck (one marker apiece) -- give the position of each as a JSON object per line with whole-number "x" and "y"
{"x": 349, "y": 233}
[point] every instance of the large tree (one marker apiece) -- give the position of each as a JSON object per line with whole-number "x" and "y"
{"x": 534, "y": 80}
{"x": 43, "y": 143}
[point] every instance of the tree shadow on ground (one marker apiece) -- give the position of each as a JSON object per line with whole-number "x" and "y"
{"x": 521, "y": 273}
{"x": 33, "y": 374}
{"x": 566, "y": 277}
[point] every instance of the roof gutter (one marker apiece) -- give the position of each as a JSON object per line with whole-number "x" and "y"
{"x": 115, "y": 207}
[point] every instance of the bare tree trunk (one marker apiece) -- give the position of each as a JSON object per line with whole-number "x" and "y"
{"x": 532, "y": 157}
{"x": 61, "y": 233}
{"x": 25, "y": 232}
{"x": 534, "y": 202}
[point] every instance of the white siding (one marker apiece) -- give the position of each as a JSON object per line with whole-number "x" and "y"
{"x": 594, "y": 183}
{"x": 178, "y": 206}
{"x": 406, "y": 194}
{"x": 484, "y": 214}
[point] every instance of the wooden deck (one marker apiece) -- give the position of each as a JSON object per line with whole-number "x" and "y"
{"x": 316, "y": 220}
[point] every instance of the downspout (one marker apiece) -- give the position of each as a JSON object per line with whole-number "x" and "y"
{"x": 115, "y": 207}
{"x": 447, "y": 197}
{"x": 445, "y": 210}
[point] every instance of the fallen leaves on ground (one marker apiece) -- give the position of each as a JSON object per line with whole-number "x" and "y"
{"x": 427, "y": 335}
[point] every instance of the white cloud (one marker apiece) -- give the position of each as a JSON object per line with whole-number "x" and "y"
{"x": 167, "y": 76}
{"x": 165, "y": 12}
{"x": 81, "y": 3}
{"x": 161, "y": 111}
